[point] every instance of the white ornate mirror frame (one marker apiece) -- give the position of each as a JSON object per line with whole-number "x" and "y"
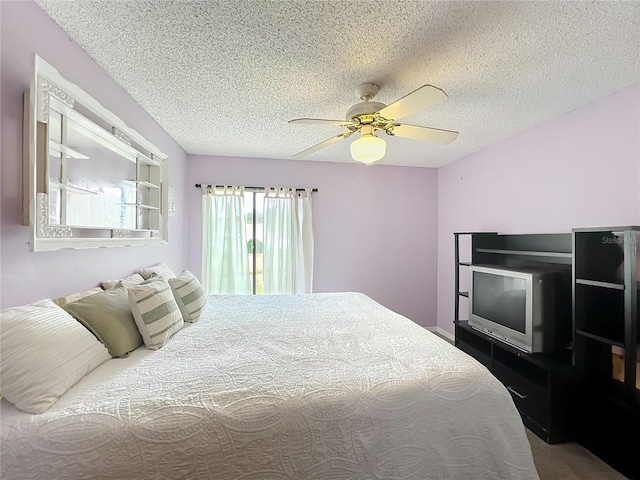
{"x": 90, "y": 181}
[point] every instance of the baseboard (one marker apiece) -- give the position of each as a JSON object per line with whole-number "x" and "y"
{"x": 448, "y": 335}
{"x": 441, "y": 332}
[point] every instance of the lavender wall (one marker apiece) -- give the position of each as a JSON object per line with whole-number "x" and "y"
{"x": 580, "y": 170}
{"x": 383, "y": 230}
{"x": 28, "y": 276}
{"x": 375, "y": 227}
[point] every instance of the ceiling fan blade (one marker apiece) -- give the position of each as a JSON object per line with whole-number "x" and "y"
{"x": 321, "y": 145}
{"x": 321, "y": 121}
{"x": 420, "y": 99}
{"x": 425, "y": 134}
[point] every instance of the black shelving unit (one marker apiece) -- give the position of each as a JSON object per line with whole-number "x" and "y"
{"x": 605, "y": 320}
{"x": 541, "y": 384}
{"x": 572, "y": 394}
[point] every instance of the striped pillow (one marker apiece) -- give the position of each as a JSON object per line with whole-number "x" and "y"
{"x": 189, "y": 295}
{"x": 155, "y": 311}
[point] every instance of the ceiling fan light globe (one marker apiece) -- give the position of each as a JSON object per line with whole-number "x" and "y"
{"x": 368, "y": 149}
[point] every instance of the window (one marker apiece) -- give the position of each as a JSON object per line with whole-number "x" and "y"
{"x": 254, "y": 219}
{"x": 256, "y": 241}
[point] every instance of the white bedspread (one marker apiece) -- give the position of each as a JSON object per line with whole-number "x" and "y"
{"x": 320, "y": 386}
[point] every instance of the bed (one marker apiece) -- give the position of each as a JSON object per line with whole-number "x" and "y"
{"x": 317, "y": 386}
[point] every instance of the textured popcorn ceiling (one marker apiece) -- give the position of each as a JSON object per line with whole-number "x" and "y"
{"x": 224, "y": 77}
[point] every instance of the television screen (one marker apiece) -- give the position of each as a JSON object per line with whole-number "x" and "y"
{"x": 501, "y": 299}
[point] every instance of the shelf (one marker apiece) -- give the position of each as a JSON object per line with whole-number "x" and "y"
{"x": 525, "y": 253}
{"x": 72, "y": 188}
{"x": 548, "y": 361}
{"x": 68, "y": 151}
{"x": 600, "y": 338}
{"x": 139, "y": 205}
{"x": 609, "y": 388}
{"x": 89, "y": 227}
{"x": 465, "y": 264}
{"x": 599, "y": 312}
{"x": 141, "y": 183}
{"x": 147, "y": 184}
{"x": 464, "y": 294}
{"x": 634, "y": 228}
{"x": 595, "y": 283}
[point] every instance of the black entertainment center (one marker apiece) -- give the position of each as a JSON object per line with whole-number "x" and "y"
{"x": 572, "y": 389}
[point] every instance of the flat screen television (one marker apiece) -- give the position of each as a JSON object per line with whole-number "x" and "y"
{"x": 519, "y": 307}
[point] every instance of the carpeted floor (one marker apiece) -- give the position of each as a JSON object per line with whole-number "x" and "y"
{"x": 568, "y": 461}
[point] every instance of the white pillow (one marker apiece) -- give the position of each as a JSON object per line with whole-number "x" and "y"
{"x": 130, "y": 281}
{"x": 189, "y": 295}
{"x": 45, "y": 351}
{"x": 155, "y": 311}
{"x": 160, "y": 269}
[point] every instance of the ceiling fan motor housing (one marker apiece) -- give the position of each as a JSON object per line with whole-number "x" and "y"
{"x": 364, "y": 108}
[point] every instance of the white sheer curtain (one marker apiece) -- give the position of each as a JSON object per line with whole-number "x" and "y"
{"x": 225, "y": 257}
{"x": 304, "y": 276}
{"x": 288, "y": 241}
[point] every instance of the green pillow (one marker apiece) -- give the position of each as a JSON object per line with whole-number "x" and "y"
{"x": 108, "y": 316}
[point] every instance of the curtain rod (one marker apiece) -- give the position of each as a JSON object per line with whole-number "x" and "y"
{"x": 198, "y": 185}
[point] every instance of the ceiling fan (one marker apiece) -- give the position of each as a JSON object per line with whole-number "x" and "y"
{"x": 367, "y": 117}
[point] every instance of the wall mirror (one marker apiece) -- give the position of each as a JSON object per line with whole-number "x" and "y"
{"x": 90, "y": 180}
